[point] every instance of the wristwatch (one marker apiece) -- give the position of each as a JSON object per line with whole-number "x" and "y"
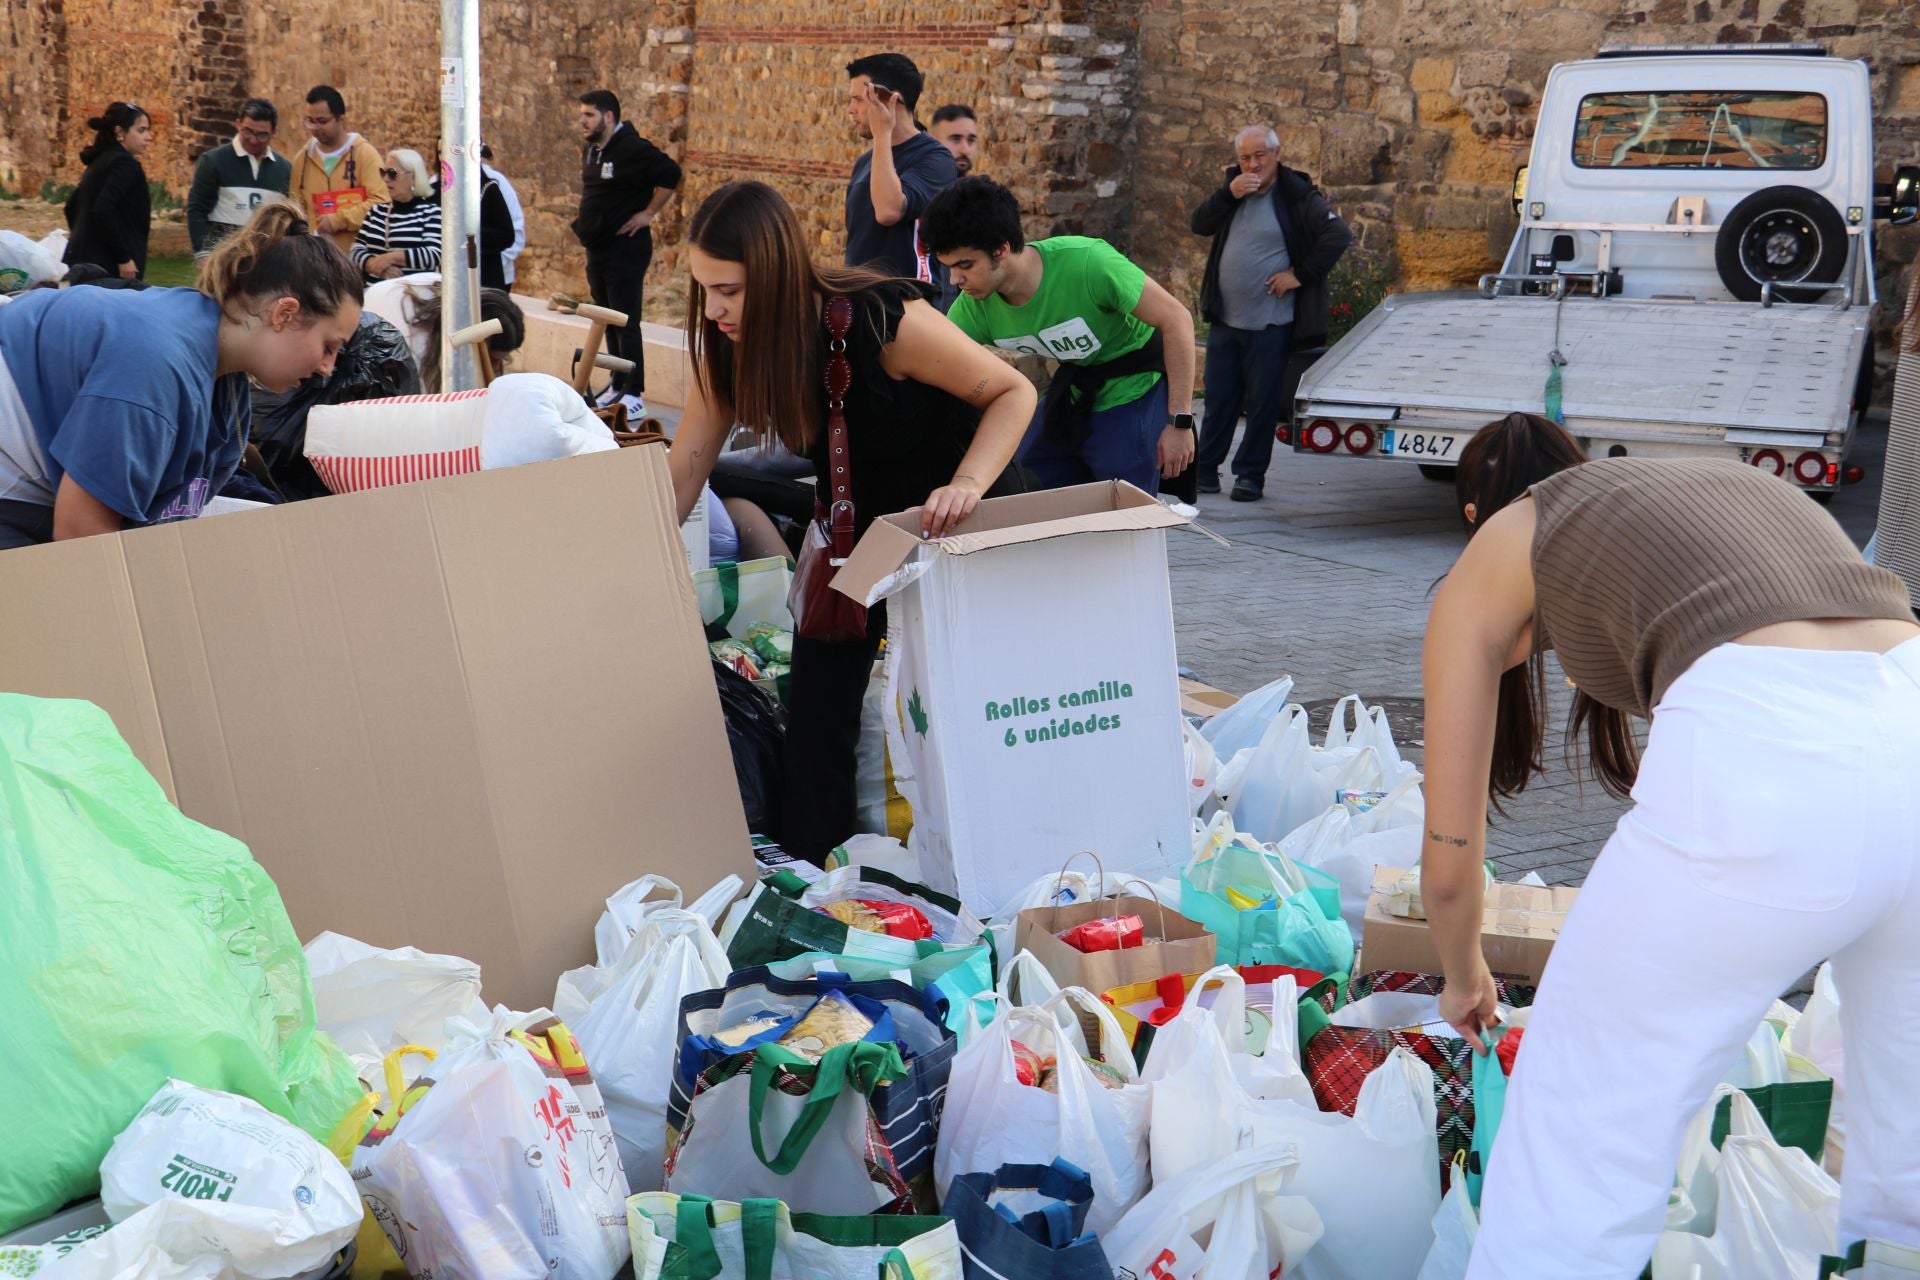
{"x": 1182, "y": 422}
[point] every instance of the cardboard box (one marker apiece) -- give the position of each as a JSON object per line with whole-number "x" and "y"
{"x": 1032, "y": 687}
{"x": 1521, "y": 925}
{"x": 1203, "y": 701}
{"x": 454, "y": 714}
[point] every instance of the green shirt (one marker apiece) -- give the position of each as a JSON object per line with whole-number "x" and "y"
{"x": 1081, "y": 314}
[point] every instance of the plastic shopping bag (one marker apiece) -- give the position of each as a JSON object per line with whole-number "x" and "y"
{"x": 678, "y": 1237}
{"x": 170, "y": 1239}
{"x": 1816, "y": 1038}
{"x": 1263, "y": 909}
{"x": 778, "y": 919}
{"x": 1235, "y": 1218}
{"x": 1768, "y": 1210}
{"x": 290, "y": 1205}
{"x": 1373, "y": 1177}
{"x": 372, "y": 1000}
{"x": 1350, "y": 844}
{"x": 993, "y": 1119}
{"x": 631, "y": 1031}
{"x": 1455, "y": 1227}
{"x": 1261, "y": 1049}
{"x": 123, "y": 923}
{"x": 1027, "y": 1220}
{"x": 1245, "y": 722}
{"x": 1872, "y": 1260}
{"x": 500, "y": 1164}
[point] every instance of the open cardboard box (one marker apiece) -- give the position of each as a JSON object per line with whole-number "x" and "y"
{"x": 454, "y": 714}
{"x": 1520, "y": 925}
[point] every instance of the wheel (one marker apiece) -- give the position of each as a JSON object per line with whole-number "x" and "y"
{"x": 1784, "y": 234}
{"x": 1434, "y": 471}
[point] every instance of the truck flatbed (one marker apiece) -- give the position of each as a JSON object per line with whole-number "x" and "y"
{"x": 1789, "y": 368}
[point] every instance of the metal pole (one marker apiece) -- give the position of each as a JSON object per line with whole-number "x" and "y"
{"x": 460, "y": 198}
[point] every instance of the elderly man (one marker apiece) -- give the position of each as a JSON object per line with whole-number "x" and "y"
{"x": 1275, "y": 240}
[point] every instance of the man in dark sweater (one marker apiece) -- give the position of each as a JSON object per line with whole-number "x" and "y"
{"x": 624, "y": 183}
{"x": 1275, "y": 241}
{"x": 230, "y": 182}
{"x": 895, "y": 181}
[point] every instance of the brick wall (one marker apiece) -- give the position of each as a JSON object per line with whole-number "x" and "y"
{"x": 1111, "y": 117}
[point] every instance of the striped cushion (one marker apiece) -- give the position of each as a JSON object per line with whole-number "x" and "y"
{"x": 372, "y": 443}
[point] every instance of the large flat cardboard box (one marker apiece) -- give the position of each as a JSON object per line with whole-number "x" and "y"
{"x": 1032, "y": 687}
{"x": 1521, "y": 924}
{"x": 455, "y": 714}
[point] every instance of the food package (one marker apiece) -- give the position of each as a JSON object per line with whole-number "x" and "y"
{"x": 1109, "y": 1077}
{"x": 770, "y": 642}
{"x": 740, "y": 1032}
{"x": 737, "y": 654}
{"x": 895, "y": 919}
{"x": 1028, "y": 1066}
{"x": 1108, "y": 933}
{"x": 833, "y": 1020}
{"x": 1240, "y": 900}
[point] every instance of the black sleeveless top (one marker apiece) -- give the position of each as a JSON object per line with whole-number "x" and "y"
{"x": 904, "y": 438}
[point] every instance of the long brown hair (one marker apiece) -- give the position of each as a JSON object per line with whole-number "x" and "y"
{"x": 1502, "y": 461}
{"x": 770, "y": 380}
{"x": 273, "y": 256}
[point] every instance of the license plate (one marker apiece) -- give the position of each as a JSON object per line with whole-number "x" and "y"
{"x": 1419, "y": 446}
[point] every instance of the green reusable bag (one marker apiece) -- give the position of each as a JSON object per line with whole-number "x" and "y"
{"x": 1302, "y": 929}
{"x": 778, "y": 920}
{"x": 1796, "y": 1112}
{"x": 684, "y": 1237}
{"x": 1872, "y": 1260}
{"x": 135, "y": 945}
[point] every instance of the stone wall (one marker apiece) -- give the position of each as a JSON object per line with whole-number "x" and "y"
{"x": 1111, "y": 117}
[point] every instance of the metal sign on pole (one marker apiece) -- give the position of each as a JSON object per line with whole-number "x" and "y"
{"x": 460, "y": 195}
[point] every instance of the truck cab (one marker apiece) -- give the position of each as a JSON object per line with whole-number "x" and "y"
{"x": 1692, "y": 272}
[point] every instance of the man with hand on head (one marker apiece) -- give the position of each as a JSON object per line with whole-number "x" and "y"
{"x": 894, "y": 181}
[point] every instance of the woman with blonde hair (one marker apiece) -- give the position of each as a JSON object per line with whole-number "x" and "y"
{"x": 402, "y": 236}
{"x": 131, "y": 407}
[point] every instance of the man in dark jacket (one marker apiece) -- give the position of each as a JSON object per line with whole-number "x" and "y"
{"x": 624, "y": 182}
{"x": 1275, "y": 240}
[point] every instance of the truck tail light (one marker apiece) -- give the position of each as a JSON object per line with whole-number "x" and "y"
{"x": 1811, "y": 469}
{"x": 1854, "y": 475}
{"x": 1322, "y": 435}
{"x": 1772, "y": 461}
{"x": 1284, "y": 433}
{"x": 1359, "y": 438}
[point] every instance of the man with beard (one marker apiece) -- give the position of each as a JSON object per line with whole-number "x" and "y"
{"x": 895, "y": 181}
{"x": 955, "y": 129}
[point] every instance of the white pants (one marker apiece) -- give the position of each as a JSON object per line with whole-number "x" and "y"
{"x": 1776, "y": 823}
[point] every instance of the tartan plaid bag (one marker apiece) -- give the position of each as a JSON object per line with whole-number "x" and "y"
{"x": 1338, "y": 1058}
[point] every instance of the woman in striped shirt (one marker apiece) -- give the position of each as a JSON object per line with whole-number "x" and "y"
{"x": 402, "y": 236}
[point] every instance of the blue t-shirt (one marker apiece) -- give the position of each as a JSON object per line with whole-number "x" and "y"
{"x": 121, "y": 389}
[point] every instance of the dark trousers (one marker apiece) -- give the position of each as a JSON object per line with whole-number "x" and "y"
{"x": 1246, "y": 372}
{"x": 824, "y": 694}
{"x": 24, "y": 524}
{"x": 616, "y": 278}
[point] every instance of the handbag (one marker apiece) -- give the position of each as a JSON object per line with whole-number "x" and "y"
{"x": 819, "y": 612}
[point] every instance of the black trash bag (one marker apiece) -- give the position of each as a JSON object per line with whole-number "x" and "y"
{"x": 376, "y": 362}
{"x": 757, "y": 733}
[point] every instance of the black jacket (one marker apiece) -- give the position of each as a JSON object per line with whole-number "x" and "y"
{"x": 496, "y": 234}
{"x": 1316, "y": 237}
{"x": 109, "y": 213}
{"x": 616, "y": 182}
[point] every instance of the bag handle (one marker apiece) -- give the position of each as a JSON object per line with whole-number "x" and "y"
{"x": 727, "y": 574}
{"x": 895, "y": 1262}
{"x": 1489, "y": 1104}
{"x": 760, "y": 1236}
{"x": 1151, "y": 893}
{"x": 864, "y": 1064}
{"x": 1099, "y": 885}
{"x": 837, "y": 316}
{"x": 1027, "y": 967}
{"x": 693, "y": 1232}
{"x": 1338, "y": 735}
{"x": 1114, "y": 1050}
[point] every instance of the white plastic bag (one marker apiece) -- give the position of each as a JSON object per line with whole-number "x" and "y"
{"x": 372, "y": 1000}
{"x": 627, "y": 913}
{"x": 290, "y": 1205}
{"x": 1351, "y": 846}
{"x": 1374, "y": 1177}
{"x": 992, "y": 1119}
{"x": 503, "y": 1169}
{"x": 169, "y": 1240}
{"x": 1273, "y": 1072}
{"x": 1455, "y": 1227}
{"x": 1245, "y": 722}
{"x": 534, "y": 417}
{"x": 24, "y": 263}
{"x": 1055, "y": 889}
{"x": 1203, "y": 766}
{"x": 1768, "y": 1210}
{"x": 1816, "y": 1037}
{"x": 630, "y": 1032}
{"x": 1224, "y": 1221}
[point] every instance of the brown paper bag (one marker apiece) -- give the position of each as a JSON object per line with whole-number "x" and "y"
{"x": 1174, "y": 944}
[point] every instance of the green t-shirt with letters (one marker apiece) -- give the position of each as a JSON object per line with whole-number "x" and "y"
{"x": 1081, "y": 314}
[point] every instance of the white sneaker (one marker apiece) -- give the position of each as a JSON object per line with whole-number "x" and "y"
{"x": 636, "y": 407}
{"x": 606, "y": 397}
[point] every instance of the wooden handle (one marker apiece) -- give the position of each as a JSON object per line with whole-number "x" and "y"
{"x": 613, "y": 364}
{"x": 476, "y": 333}
{"x": 602, "y": 315}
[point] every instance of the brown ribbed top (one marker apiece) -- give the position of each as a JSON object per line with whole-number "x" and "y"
{"x": 1640, "y": 565}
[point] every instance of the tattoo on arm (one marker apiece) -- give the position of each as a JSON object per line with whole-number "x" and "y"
{"x": 978, "y": 388}
{"x": 1458, "y": 842}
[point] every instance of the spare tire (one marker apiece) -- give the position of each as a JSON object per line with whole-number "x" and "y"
{"x": 1785, "y": 234}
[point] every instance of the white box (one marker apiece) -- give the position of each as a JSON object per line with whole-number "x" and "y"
{"x": 1033, "y": 687}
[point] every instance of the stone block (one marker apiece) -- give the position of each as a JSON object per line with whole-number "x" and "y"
{"x": 1432, "y": 75}
{"x": 1483, "y": 68}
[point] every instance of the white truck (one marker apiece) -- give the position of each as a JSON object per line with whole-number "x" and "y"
{"x": 1694, "y": 261}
